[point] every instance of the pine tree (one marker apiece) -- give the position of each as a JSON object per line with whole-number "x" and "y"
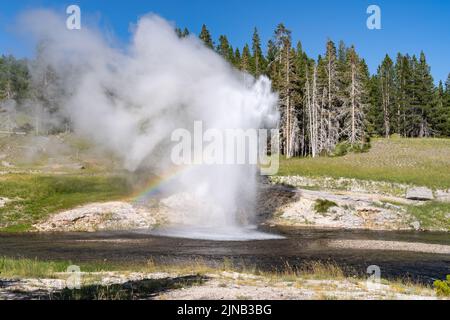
{"x": 205, "y": 36}
{"x": 342, "y": 54}
{"x": 182, "y": 33}
{"x": 333, "y": 99}
{"x": 447, "y": 84}
{"x": 273, "y": 64}
{"x": 14, "y": 79}
{"x": 224, "y": 49}
{"x": 403, "y": 82}
{"x": 447, "y": 92}
{"x": 6, "y": 90}
{"x": 342, "y": 68}
{"x": 246, "y": 63}
{"x": 302, "y": 67}
{"x": 387, "y": 87}
{"x": 374, "y": 115}
{"x": 418, "y": 121}
{"x": 438, "y": 112}
{"x": 237, "y": 59}
{"x": 288, "y": 86}
{"x": 257, "y": 55}
{"x": 446, "y": 111}
{"x": 271, "y": 52}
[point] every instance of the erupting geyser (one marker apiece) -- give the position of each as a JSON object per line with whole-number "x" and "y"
{"x": 131, "y": 100}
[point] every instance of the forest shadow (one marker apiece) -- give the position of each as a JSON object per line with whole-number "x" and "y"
{"x": 130, "y": 290}
{"x": 9, "y": 292}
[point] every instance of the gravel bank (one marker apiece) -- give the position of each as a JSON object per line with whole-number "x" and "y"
{"x": 390, "y": 245}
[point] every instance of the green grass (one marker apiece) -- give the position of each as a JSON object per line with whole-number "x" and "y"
{"x": 432, "y": 215}
{"x": 323, "y": 205}
{"x": 442, "y": 287}
{"x": 34, "y": 268}
{"x": 23, "y": 268}
{"x": 424, "y": 162}
{"x": 36, "y": 196}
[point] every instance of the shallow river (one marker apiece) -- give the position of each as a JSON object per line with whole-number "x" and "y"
{"x": 297, "y": 247}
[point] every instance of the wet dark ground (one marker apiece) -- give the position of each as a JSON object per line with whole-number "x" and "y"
{"x": 300, "y": 246}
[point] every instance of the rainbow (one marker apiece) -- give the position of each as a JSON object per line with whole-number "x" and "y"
{"x": 153, "y": 185}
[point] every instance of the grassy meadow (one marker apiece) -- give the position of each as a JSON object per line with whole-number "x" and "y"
{"x": 35, "y": 196}
{"x": 422, "y": 162}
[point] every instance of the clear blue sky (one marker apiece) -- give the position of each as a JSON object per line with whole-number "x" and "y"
{"x": 407, "y": 26}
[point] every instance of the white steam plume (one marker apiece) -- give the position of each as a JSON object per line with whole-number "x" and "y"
{"x": 131, "y": 100}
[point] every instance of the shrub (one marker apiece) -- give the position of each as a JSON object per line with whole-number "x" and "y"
{"x": 360, "y": 148}
{"x": 323, "y": 205}
{"x": 442, "y": 287}
{"x": 344, "y": 147}
{"x": 341, "y": 149}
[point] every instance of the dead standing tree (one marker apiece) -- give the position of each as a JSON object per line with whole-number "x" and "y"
{"x": 353, "y": 109}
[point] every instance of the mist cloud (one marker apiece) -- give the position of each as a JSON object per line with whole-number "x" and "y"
{"x": 131, "y": 99}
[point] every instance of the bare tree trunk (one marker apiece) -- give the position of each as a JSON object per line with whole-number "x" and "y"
{"x": 353, "y": 94}
{"x": 288, "y": 108}
{"x": 310, "y": 114}
{"x": 314, "y": 114}
{"x": 386, "y": 102}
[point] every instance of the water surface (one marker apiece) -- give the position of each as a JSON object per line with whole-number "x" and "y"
{"x": 295, "y": 247}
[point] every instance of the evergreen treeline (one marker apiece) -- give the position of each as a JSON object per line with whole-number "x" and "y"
{"x": 334, "y": 99}
{"x": 14, "y": 78}
{"x": 323, "y": 103}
